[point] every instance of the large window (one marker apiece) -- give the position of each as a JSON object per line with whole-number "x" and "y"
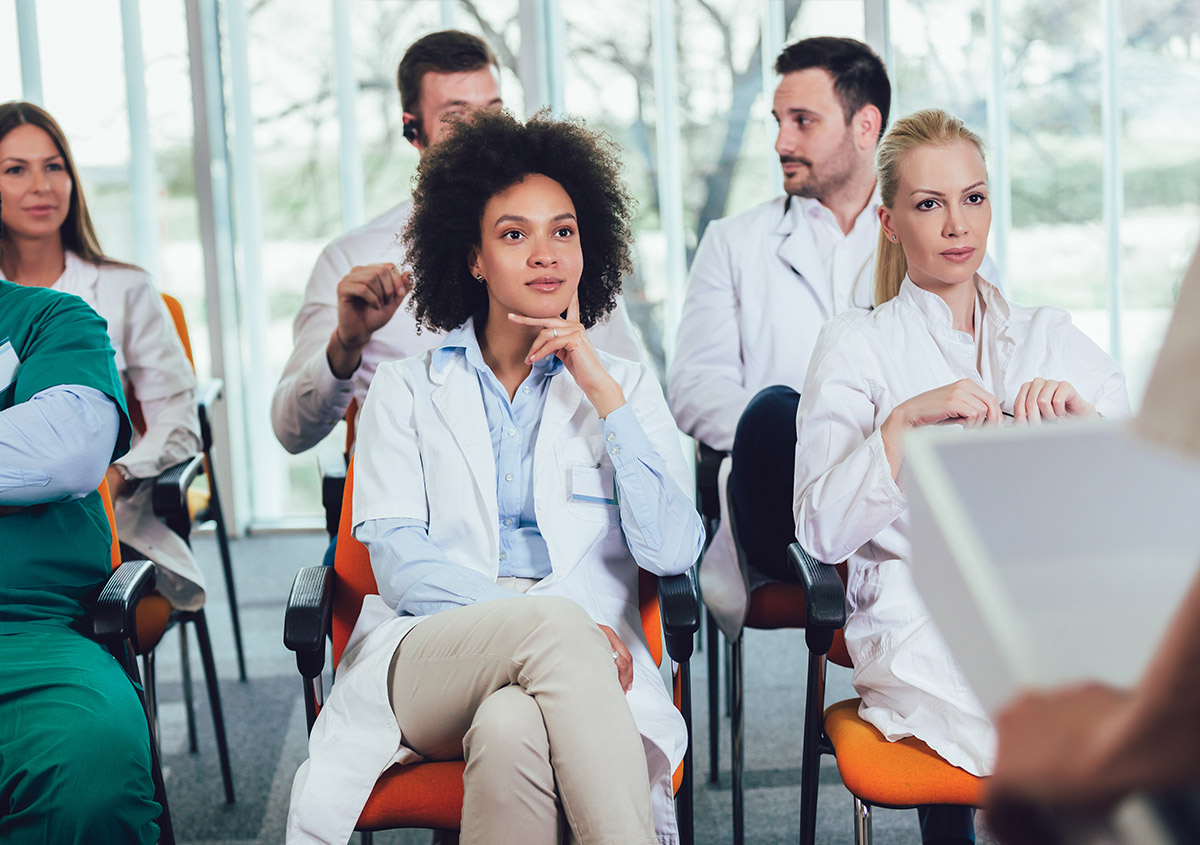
{"x": 1091, "y": 111}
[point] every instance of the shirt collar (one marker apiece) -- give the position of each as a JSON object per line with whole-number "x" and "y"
{"x": 796, "y": 208}
{"x": 77, "y": 274}
{"x": 935, "y": 310}
{"x": 462, "y": 341}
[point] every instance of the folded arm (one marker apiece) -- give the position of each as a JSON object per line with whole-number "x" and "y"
{"x": 414, "y": 577}
{"x": 57, "y": 445}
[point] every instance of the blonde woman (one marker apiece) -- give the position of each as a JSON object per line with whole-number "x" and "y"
{"x": 942, "y": 346}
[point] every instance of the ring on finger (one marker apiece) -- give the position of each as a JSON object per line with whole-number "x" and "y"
{"x": 616, "y": 655}
{"x": 554, "y": 332}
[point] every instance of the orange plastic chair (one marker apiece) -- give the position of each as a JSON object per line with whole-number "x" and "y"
{"x": 175, "y": 500}
{"x": 878, "y": 773}
{"x": 196, "y": 505}
{"x": 326, "y": 602}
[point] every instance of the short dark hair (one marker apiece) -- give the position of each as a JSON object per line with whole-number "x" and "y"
{"x": 859, "y": 76}
{"x": 490, "y": 152}
{"x": 447, "y": 51}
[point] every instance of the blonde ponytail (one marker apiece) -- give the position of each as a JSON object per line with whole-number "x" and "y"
{"x": 926, "y": 128}
{"x": 891, "y": 266}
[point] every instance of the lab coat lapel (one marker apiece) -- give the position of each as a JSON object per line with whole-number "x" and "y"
{"x": 460, "y": 405}
{"x": 799, "y": 251}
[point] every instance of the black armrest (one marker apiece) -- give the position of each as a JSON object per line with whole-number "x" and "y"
{"x": 207, "y": 394}
{"x": 824, "y": 598}
{"x": 307, "y": 618}
{"x": 170, "y": 492}
{"x": 679, "y": 604}
{"x": 114, "y": 616}
{"x": 333, "y": 488}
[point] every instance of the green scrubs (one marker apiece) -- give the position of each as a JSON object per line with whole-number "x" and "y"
{"x": 74, "y": 747}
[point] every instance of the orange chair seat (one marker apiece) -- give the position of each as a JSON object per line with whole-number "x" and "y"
{"x": 153, "y": 615}
{"x": 776, "y": 605}
{"x": 424, "y": 795}
{"x": 894, "y": 774}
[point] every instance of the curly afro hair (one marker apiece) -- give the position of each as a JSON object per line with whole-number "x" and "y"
{"x": 484, "y": 155}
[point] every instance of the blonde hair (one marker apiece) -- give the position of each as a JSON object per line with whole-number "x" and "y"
{"x": 926, "y": 128}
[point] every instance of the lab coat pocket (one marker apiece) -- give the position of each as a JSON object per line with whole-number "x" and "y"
{"x": 587, "y": 479}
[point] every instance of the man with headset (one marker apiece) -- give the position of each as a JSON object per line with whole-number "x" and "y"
{"x": 348, "y": 323}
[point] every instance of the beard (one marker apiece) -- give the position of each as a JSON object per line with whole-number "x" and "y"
{"x": 828, "y": 178}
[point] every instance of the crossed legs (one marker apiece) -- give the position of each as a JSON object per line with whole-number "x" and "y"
{"x": 526, "y": 689}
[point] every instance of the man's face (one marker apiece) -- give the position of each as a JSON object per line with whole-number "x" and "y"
{"x": 816, "y": 147}
{"x": 445, "y": 97}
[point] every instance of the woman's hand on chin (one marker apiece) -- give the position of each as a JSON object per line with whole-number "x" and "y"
{"x": 570, "y": 342}
{"x": 1045, "y": 399}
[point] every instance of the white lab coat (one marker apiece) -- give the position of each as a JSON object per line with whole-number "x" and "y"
{"x": 446, "y": 477}
{"x": 154, "y": 368}
{"x": 847, "y": 506}
{"x": 309, "y": 400}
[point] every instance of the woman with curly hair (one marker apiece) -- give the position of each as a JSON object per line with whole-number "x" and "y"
{"x": 509, "y": 485}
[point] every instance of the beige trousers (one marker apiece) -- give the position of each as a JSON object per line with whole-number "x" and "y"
{"x": 526, "y": 691}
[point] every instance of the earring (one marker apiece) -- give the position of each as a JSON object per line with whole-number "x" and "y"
{"x": 893, "y": 238}
{"x": 479, "y": 278}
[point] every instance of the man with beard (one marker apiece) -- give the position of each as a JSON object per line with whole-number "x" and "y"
{"x": 764, "y": 282}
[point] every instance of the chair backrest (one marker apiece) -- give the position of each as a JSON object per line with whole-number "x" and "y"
{"x": 351, "y": 425}
{"x": 353, "y": 579}
{"x": 106, "y": 497}
{"x": 176, "y": 312}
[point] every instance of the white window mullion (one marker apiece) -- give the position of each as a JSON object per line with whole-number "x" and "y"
{"x": 27, "y": 45}
{"x": 1113, "y": 179}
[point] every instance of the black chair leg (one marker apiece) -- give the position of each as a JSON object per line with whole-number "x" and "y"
{"x": 150, "y": 692}
{"x": 185, "y": 668}
{"x": 214, "y": 700}
{"x": 166, "y": 832}
{"x": 684, "y": 802}
{"x": 737, "y": 738}
{"x": 366, "y": 837}
{"x": 214, "y": 508}
{"x": 811, "y": 750}
{"x": 714, "y": 699}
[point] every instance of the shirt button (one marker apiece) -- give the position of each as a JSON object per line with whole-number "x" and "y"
{"x": 611, "y": 437}
{"x": 512, "y": 432}
{"x": 539, "y": 503}
{"x": 508, "y": 521}
{"x": 616, "y": 450}
{"x": 508, "y": 477}
{"x": 503, "y": 556}
{"x": 527, "y": 390}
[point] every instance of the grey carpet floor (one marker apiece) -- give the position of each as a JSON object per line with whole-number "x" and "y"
{"x": 265, "y": 723}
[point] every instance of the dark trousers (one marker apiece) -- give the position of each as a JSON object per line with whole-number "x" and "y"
{"x": 761, "y": 483}
{"x": 762, "y": 489}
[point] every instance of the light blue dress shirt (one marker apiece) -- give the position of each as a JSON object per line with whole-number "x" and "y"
{"x": 415, "y": 577}
{"x": 48, "y": 445}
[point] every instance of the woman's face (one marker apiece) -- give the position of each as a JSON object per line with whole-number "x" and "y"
{"x": 35, "y": 188}
{"x": 941, "y": 214}
{"x": 529, "y": 251}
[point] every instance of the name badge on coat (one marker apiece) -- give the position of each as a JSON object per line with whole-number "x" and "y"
{"x": 593, "y": 484}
